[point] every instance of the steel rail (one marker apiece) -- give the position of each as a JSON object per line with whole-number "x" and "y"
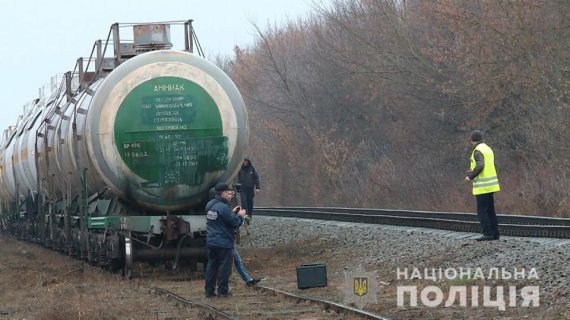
{"x": 174, "y": 296}
{"x": 339, "y": 308}
{"x": 434, "y": 220}
{"x": 462, "y": 216}
{"x": 327, "y": 305}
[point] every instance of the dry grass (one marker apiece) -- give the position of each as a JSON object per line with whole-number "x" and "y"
{"x": 36, "y": 283}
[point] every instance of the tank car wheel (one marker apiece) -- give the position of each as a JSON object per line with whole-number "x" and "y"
{"x": 128, "y": 266}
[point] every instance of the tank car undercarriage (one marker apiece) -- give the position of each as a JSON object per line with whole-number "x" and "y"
{"x": 111, "y": 236}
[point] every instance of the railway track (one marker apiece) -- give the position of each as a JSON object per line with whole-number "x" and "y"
{"x": 186, "y": 288}
{"x": 260, "y": 302}
{"x": 509, "y": 225}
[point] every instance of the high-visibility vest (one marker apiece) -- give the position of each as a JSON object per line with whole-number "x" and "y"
{"x": 486, "y": 181}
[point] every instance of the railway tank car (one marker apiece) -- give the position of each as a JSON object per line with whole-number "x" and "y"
{"x": 114, "y": 163}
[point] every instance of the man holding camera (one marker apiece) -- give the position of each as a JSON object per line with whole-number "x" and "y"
{"x": 220, "y": 241}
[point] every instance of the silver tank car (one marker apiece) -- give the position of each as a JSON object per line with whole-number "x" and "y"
{"x": 130, "y": 147}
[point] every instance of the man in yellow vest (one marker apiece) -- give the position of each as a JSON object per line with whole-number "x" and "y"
{"x": 485, "y": 183}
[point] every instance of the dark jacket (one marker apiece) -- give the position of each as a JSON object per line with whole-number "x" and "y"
{"x": 221, "y": 223}
{"x": 247, "y": 176}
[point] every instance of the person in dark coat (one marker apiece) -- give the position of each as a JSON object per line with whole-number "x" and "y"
{"x": 220, "y": 240}
{"x": 235, "y": 254}
{"x": 249, "y": 180}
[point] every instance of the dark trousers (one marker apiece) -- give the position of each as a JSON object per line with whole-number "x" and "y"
{"x": 486, "y": 214}
{"x": 247, "y": 199}
{"x": 219, "y": 268}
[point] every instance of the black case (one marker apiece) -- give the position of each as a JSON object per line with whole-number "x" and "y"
{"x": 311, "y": 275}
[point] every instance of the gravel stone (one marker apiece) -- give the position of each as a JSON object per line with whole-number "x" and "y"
{"x": 400, "y": 247}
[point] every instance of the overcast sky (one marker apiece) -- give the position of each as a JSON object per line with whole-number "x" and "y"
{"x": 41, "y": 38}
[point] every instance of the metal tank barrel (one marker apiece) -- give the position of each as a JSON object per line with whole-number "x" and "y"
{"x": 158, "y": 131}
{"x": 125, "y": 152}
{"x": 162, "y": 128}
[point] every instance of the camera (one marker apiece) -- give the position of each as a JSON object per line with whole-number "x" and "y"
{"x": 237, "y": 187}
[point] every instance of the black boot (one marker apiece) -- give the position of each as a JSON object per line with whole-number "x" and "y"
{"x": 485, "y": 238}
{"x": 253, "y": 282}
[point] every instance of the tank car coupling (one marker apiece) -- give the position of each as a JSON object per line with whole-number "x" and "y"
{"x": 173, "y": 227}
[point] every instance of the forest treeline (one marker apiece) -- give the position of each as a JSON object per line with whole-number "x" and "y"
{"x": 370, "y": 103}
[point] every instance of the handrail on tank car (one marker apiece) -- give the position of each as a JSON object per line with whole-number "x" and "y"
{"x": 98, "y": 52}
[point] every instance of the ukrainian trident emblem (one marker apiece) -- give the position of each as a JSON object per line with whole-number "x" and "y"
{"x": 360, "y": 286}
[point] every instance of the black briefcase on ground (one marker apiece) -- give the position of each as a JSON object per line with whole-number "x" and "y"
{"x": 311, "y": 275}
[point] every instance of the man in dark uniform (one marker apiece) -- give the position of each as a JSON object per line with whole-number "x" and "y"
{"x": 485, "y": 183}
{"x": 235, "y": 254}
{"x": 220, "y": 228}
{"x": 248, "y": 178}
